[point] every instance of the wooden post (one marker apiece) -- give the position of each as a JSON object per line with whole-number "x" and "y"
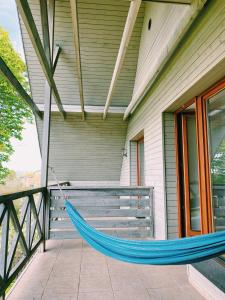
{"x": 151, "y": 198}
{"x": 7, "y": 73}
{"x": 48, "y": 38}
{"x": 42, "y": 52}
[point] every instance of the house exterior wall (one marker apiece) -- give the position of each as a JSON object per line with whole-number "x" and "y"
{"x": 197, "y": 64}
{"x": 87, "y": 151}
{"x": 165, "y": 19}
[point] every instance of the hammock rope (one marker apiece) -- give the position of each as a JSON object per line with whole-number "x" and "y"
{"x": 154, "y": 252}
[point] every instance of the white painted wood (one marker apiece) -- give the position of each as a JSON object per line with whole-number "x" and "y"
{"x": 206, "y": 288}
{"x": 128, "y": 29}
{"x": 86, "y": 151}
{"x": 101, "y": 25}
{"x": 88, "y": 108}
{"x": 170, "y": 175}
{"x": 163, "y": 47}
{"x": 73, "y": 5}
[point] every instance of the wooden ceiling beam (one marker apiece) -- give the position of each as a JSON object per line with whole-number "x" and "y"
{"x": 74, "y": 14}
{"x": 182, "y": 2}
{"x": 25, "y": 12}
{"x": 128, "y": 29}
{"x": 7, "y": 73}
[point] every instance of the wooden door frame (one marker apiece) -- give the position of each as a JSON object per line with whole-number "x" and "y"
{"x": 139, "y": 141}
{"x": 189, "y": 231}
{"x": 203, "y": 163}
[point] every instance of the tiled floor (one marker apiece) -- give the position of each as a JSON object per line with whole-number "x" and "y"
{"x": 72, "y": 270}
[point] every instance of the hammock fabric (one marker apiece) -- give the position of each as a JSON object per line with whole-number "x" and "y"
{"x": 161, "y": 252}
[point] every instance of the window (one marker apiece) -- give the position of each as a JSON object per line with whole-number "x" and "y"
{"x": 200, "y": 140}
{"x": 140, "y": 163}
{"x": 137, "y": 161}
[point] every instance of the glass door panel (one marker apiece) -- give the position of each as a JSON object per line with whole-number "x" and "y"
{"x": 190, "y": 174}
{"x": 140, "y": 163}
{"x": 216, "y": 137}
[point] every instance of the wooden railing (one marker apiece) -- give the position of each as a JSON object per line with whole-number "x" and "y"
{"x": 22, "y": 229}
{"x": 29, "y": 218}
{"x": 219, "y": 207}
{"x": 120, "y": 211}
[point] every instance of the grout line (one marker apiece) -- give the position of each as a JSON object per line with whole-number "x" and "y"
{"x": 56, "y": 257}
{"x": 110, "y": 277}
{"x": 81, "y": 259}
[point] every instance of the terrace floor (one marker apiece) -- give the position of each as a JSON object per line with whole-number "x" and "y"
{"x": 70, "y": 269}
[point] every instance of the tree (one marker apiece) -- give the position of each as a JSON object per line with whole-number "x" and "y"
{"x": 14, "y": 111}
{"x": 218, "y": 165}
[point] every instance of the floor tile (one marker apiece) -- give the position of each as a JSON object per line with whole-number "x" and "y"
{"x": 132, "y": 294}
{"x": 96, "y": 296}
{"x": 89, "y": 283}
{"x": 71, "y": 270}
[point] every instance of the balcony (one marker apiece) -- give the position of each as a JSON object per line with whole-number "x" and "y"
{"x": 69, "y": 268}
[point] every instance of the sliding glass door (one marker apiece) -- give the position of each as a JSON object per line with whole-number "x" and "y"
{"x": 200, "y": 139}
{"x": 216, "y": 137}
{"x": 189, "y": 171}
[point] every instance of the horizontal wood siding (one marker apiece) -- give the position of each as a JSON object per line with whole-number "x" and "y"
{"x": 164, "y": 21}
{"x": 198, "y": 63}
{"x": 86, "y": 150}
{"x": 170, "y": 175}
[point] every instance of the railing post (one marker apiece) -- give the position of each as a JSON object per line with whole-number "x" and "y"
{"x": 151, "y": 194}
{"x": 47, "y": 208}
{"x": 44, "y": 195}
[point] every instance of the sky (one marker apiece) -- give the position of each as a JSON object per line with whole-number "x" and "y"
{"x": 26, "y": 157}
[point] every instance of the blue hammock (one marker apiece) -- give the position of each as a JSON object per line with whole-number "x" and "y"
{"x": 163, "y": 252}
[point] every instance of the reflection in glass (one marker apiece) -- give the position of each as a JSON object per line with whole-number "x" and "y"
{"x": 142, "y": 166}
{"x": 216, "y": 128}
{"x": 193, "y": 173}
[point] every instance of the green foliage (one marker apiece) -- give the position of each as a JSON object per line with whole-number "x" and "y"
{"x": 218, "y": 165}
{"x": 13, "y": 110}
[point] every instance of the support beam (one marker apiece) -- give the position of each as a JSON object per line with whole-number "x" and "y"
{"x": 25, "y": 12}
{"x": 74, "y": 14}
{"x": 6, "y": 72}
{"x": 128, "y": 29}
{"x": 154, "y": 73}
{"x": 182, "y": 2}
{"x": 45, "y": 30}
{"x": 56, "y": 54}
{"x": 88, "y": 109}
{"x": 48, "y": 45}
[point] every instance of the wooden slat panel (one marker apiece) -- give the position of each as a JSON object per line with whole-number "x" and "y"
{"x": 117, "y": 223}
{"x": 72, "y": 191}
{"x": 112, "y": 202}
{"x": 219, "y": 212}
{"x": 120, "y": 233}
{"x": 85, "y": 212}
{"x": 219, "y": 221}
{"x": 99, "y": 207}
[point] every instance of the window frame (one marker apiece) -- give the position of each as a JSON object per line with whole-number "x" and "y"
{"x": 139, "y": 141}
{"x": 203, "y": 163}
